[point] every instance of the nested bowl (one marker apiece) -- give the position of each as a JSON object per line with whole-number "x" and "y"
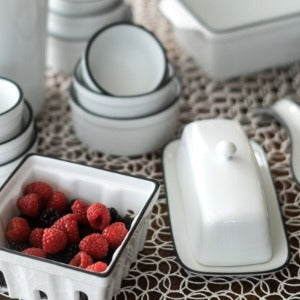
{"x": 81, "y": 8}
{"x": 11, "y": 108}
{"x": 15, "y": 146}
{"x": 125, "y": 107}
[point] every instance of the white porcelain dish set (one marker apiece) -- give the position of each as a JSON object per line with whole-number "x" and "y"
{"x": 116, "y": 104}
{"x": 224, "y": 213}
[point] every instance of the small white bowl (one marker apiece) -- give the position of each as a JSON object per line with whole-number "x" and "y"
{"x": 125, "y": 137}
{"x": 7, "y": 168}
{"x": 124, "y": 59}
{"x": 15, "y": 146}
{"x": 125, "y": 107}
{"x": 61, "y": 281}
{"x": 11, "y": 108}
{"x": 81, "y": 28}
{"x": 81, "y": 8}
{"x": 62, "y": 54}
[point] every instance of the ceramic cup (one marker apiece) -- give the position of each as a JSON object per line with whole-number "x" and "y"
{"x": 11, "y": 107}
{"x": 124, "y": 60}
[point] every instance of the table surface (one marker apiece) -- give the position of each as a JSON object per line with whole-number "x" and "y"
{"x": 157, "y": 273}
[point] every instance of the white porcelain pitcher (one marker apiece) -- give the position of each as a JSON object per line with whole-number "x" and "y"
{"x": 23, "y": 25}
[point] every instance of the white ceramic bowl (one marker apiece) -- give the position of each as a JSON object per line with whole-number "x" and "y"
{"x": 7, "y": 168}
{"x": 125, "y": 137}
{"x": 18, "y": 144}
{"x": 125, "y": 107}
{"x": 81, "y": 8}
{"x": 81, "y": 28}
{"x": 124, "y": 60}
{"x": 11, "y": 108}
{"x": 25, "y": 276}
{"x": 62, "y": 54}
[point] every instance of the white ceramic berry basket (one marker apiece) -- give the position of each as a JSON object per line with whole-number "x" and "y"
{"x": 28, "y": 277}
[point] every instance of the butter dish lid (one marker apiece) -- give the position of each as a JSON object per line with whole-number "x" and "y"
{"x": 227, "y": 188}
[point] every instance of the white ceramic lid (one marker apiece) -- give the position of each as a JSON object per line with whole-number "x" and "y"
{"x": 224, "y": 203}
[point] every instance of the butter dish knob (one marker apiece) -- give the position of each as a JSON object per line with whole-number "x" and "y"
{"x": 226, "y": 149}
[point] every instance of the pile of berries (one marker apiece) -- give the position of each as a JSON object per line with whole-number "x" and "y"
{"x": 76, "y": 233}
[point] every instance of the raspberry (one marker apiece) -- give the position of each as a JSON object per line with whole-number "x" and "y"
{"x": 79, "y": 208}
{"x": 115, "y": 234}
{"x": 81, "y": 260}
{"x": 18, "y": 230}
{"x": 35, "y": 252}
{"x": 98, "y": 216}
{"x": 36, "y": 238}
{"x": 95, "y": 245}
{"x": 48, "y": 217}
{"x": 69, "y": 225}
{"x": 54, "y": 240}
{"x": 43, "y": 189}
{"x": 29, "y": 205}
{"x": 58, "y": 201}
{"x": 97, "y": 267}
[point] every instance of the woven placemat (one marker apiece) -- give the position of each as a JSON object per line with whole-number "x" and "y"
{"x": 157, "y": 274}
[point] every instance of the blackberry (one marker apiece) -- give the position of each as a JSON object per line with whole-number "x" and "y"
{"x": 127, "y": 221}
{"x": 48, "y": 217}
{"x": 18, "y": 246}
{"x": 59, "y": 257}
{"x": 85, "y": 230}
{"x": 107, "y": 259}
{"x": 70, "y": 252}
{"x": 114, "y": 215}
{"x": 33, "y": 223}
{"x": 69, "y": 210}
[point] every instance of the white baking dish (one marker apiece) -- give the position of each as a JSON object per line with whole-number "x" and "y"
{"x": 230, "y": 38}
{"x": 26, "y": 276}
{"x": 125, "y": 136}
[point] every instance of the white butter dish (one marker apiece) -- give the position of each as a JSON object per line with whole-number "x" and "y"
{"x": 229, "y": 38}
{"x": 27, "y": 276}
{"x": 223, "y": 207}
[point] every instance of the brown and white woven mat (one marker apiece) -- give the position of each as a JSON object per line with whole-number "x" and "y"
{"x": 157, "y": 274}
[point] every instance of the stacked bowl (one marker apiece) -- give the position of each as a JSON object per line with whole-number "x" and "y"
{"x": 72, "y": 22}
{"x": 18, "y": 135}
{"x": 124, "y": 94}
